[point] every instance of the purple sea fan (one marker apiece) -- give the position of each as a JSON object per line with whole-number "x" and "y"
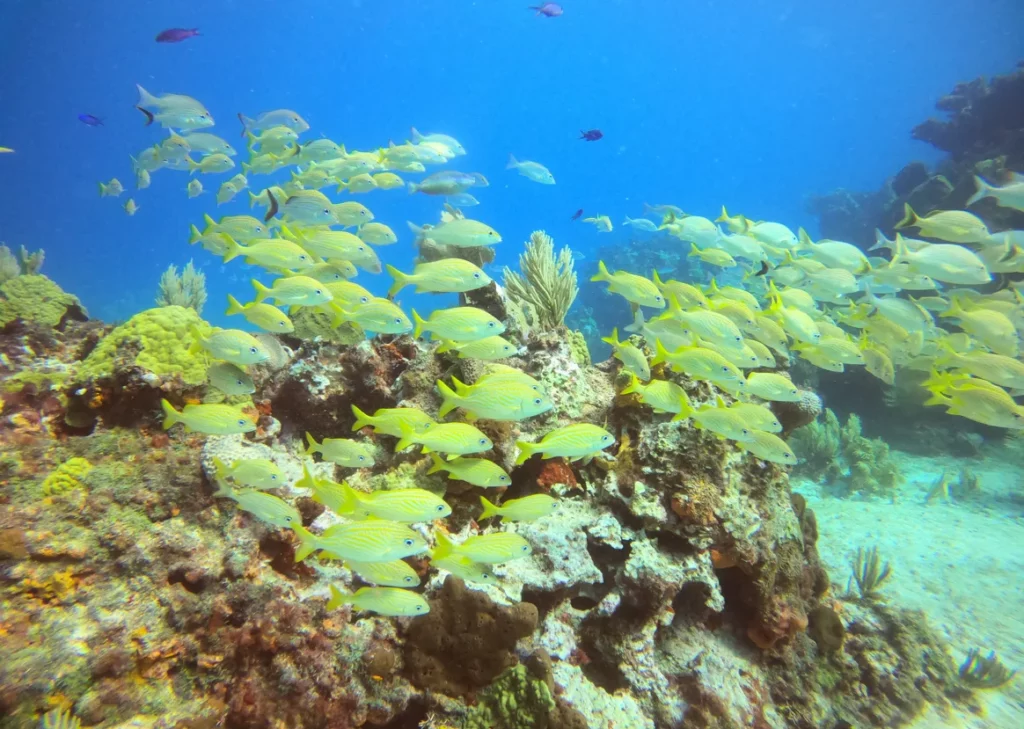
{"x": 176, "y": 35}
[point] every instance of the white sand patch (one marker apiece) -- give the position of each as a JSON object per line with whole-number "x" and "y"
{"x": 960, "y": 563}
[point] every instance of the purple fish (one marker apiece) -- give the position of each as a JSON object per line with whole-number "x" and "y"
{"x": 591, "y": 135}
{"x": 550, "y": 10}
{"x": 176, "y": 35}
{"x": 90, "y": 121}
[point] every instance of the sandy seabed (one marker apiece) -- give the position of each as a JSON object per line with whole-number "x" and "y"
{"x": 961, "y": 563}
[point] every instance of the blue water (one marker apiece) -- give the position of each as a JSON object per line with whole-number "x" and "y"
{"x": 755, "y": 104}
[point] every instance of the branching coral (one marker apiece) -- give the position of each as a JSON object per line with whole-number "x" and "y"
{"x": 546, "y": 282}
{"x": 869, "y": 572}
{"x": 188, "y": 289}
{"x": 24, "y": 264}
{"x": 979, "y": 671}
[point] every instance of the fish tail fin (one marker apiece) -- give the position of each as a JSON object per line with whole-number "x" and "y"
{"x": 724, "y": 217}
{"x": 909, "y": 219}
{"x": 362, "y": 419}
{"x": 694, "y": 251}
{"x": 660, "y": 353}
{"x": 512, "y": 162}
{"x": 338, "y": 598}
{"x": 602, "y": 273}
{"x": 804, "y": 241}
{"x": 525, "y": 451}
{"x": 407, "y": 438}
{"x": 413, "y": 187}
{"x": 307, "y": 542}
{"x": 633, "y": 386}
{"x": 262, "y": 291}
{"x": 460, "y": 387}
{"x": 145, "y": 98}
{"x": 220, "y": 470}
{"x": 613, "y": 339}
{"x": 415, "y": 135}
{"x": 401, "y": 279}
{"x": 253, "y": 199}
{"x": 449, "y": 400}
{"x": 984, "y": 190}
{"x": 103, "y": 189}
{"x": 234, "y": 306}
{"x": 880, "y": 241}
{"x": 197, "y": 340}
{"x": 685, "y": 409}
{"x": 194, "y": 235}
{"x": 446, "y": 345}
{"x": 246, "y": 123}
{"x": 638, "y": 320}
{"x": 419, "y": 324}
{"x": 234, "y": 248}
{"x": 437, "y": 464}
{"x": 171, "y": 416}
{"x": 313, "y": 447}
{"x": 308, "y": 481}
{"x": 938, "y": 398}
{"x": 444, "y": 546}
{"x": 489, "y": 509}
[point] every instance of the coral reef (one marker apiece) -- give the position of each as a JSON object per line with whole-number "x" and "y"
{"x": 465, "y": 641}
{"x": 547, "y": 283}
{"x": 24, "y": 264}
{"x": 840, "y": 455}
{"x": 677, "y": 582}
{"x": 978, "y": 671}
{"x": 982, "y": 136}
{"x": 187, "y": 289}
{"x": 34, "y": 298}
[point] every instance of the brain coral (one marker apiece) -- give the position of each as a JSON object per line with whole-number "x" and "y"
{"x": 157, "y": 340}
{"x": 37, "y": 299}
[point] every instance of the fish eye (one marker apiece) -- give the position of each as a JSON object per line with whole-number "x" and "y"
{"x": 658, "y": 298}
{"x": 288, "y": 519}
{"x": 302, "y": 257}
{"x": 725, "y": 369}
{"x": 398, "y": 320}
{"x": 327, "y": 211}
{"x": 440, "y": 507}
{"x": 745, "y": 431}
{"x": 241, "y": 422}
{"x": 362, "y": 458}
{"x": 503, "y": 478}
{"x": 410, "y": 542}
{"x": 363, "y": 299}
{"x": 419, "y": 608}
{"x": 253, "y": 350}
{"x": 536, "y": 401}
{"x": 408, "y": 580}
{"x": 605, "y": 438}
{"x": 273, "y": 477}
{"x": 318, "y": 292}
{"x": 282, "y": 324}
{"x": 491, "y": 234}
{"x": 525, "y": 548}
{"x": 238, "y": 382}
{"x": 490, "y": 324}
{"x": 483, "y": 441}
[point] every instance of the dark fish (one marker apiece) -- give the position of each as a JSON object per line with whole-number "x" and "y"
{"x": 272, "y": 208}
{"x": 176, "y": 35}
{"x": 764, "y": 269}
{"x": 90, "y": 120}
{"x": 149, "y": 115}
{"x": 577, "y": 215}
{"x": 591, "y": 135}
{"x": 550, "y": 10}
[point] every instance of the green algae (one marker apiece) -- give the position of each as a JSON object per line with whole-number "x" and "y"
{"x": 157, "y": 340}
{"x": 515, "y": 700}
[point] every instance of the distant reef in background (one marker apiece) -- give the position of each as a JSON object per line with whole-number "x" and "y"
{"x": 982, "y": 134}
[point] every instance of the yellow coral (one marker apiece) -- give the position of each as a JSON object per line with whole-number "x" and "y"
{"x": 68, "y": 476}
{"x": 159, "y": 339}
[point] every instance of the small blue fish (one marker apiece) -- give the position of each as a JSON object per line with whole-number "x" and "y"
{"x": 90, "y": 121}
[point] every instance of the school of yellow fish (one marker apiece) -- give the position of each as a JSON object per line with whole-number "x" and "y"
{"x": 826, "y": 302}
